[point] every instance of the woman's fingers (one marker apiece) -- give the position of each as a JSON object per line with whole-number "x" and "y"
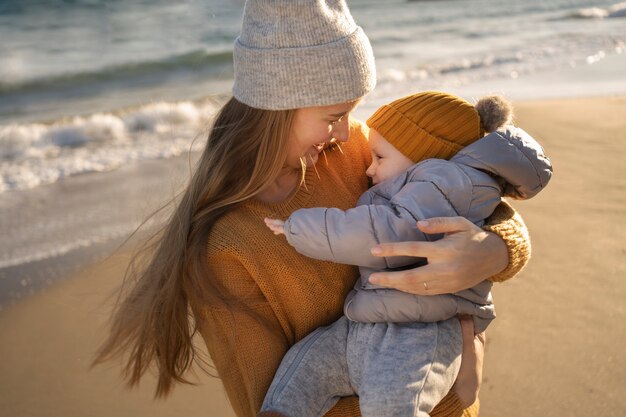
{"x": 423, "y": 280}
{"x": 445, "y": 225}
{"x": 416, "y": 249}
{"x": 436, "y": 225}
{"x": 400, "y": 280}
{"x": 465, "y": 256}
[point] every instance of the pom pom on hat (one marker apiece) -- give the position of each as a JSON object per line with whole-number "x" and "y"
{"x": 495, "y": 111}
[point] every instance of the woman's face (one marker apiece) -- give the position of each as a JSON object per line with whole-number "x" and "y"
{"x": 315, "y": 127}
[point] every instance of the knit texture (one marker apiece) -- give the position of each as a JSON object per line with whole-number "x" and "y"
{"x": 509, "y": 225}
{"x": 428, "y": 125}
{"x": 450, "y": 406}
{"x": 473, "y": 410}
{"x": 281, "y": 295}
{"x": 301, "y": 53}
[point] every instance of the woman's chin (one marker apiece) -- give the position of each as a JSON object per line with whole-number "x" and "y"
{"x": 311, "y": 159}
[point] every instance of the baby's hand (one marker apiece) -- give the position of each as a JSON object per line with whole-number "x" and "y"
{"x": 275, "y": 225}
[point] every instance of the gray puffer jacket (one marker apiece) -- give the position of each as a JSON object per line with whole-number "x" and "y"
{"x": 507, "y": 162}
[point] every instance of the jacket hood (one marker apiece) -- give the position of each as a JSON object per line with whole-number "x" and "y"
{"x": 514, "y": 157}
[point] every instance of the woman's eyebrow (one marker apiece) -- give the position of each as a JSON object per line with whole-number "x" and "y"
{"x": 339, "y": 114}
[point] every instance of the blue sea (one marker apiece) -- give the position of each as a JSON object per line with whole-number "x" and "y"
{"x": 94, "y": 86}
{"x": 87, "y": 85}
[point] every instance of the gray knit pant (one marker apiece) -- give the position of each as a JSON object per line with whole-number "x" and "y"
{"x": 401, "y": 369}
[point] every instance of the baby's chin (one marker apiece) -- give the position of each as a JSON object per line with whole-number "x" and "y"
{"x": 378, "y": 180}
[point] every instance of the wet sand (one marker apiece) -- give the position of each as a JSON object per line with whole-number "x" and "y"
{"x": 555, "y": 349}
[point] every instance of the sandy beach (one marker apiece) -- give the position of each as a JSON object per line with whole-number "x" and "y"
{"x": 556, "y": 348}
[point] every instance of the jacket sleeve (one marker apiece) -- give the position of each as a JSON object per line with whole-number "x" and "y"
{"x": 438, "y": 189}
{"x": 347, "y": 237}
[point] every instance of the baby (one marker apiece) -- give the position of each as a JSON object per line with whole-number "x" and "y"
{"x": 399, "y": 352}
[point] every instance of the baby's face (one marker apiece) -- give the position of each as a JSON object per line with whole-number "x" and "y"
{"x": 387, "y": 161}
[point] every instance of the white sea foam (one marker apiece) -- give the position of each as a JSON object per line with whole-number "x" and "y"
{"x": 504, "y": 63}
{"x": 615, "y": 11}
{"x": 36, "y": 154}
{"x": 590, "y": 13}
{"x": 51, "y": 251}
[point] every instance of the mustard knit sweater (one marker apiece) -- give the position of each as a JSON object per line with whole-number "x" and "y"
{"x": 281, "y": 296}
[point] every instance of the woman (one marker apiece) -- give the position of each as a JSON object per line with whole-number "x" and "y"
{"x": 300, "y": 69}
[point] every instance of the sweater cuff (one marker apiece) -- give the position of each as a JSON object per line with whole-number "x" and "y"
{"x": 472, "y": 410}
{"x": 509, "y": 225}
{"x": 346, "y": 407}
{"x": 449, "y": 406}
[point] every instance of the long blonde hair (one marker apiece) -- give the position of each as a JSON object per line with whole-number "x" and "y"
{"x": 151, "y": 323}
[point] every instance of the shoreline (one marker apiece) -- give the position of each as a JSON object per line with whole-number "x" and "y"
{"x": 555, "y": 348}
{"x": 60, "y": 150}
{"x": 141, "y": 183}
{"x": 67, "y": 223}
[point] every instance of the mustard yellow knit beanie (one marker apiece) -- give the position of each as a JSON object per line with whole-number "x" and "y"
{"x": 428, "y": 125}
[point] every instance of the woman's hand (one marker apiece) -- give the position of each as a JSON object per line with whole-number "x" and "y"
{"x": 466, "y": 256}
{"x": 467, "y": 384}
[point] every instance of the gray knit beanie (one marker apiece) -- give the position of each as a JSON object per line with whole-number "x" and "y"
{"x": 301, "y": 53}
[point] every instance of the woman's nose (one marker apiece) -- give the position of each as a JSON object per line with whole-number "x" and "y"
{"x": 341, "y": 130}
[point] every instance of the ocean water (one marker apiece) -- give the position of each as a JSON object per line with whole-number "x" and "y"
{"x": 89, "y": 85}
{"x": 94, "y": 86}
